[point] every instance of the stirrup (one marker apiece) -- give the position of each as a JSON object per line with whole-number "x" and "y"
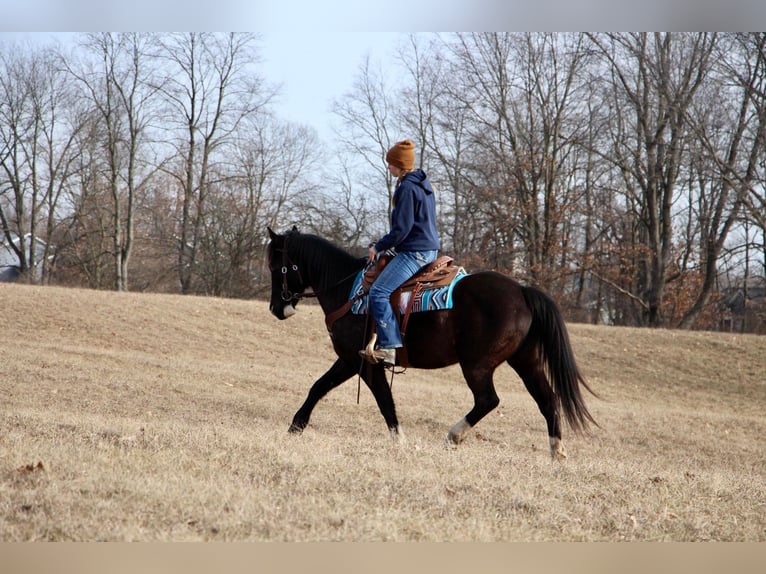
{"x": 375, "y": 356}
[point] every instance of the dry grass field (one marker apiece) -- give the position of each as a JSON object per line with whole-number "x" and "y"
{"x": 144, "y": 417}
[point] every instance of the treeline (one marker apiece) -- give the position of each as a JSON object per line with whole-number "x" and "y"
{"x": 623, "y": 173}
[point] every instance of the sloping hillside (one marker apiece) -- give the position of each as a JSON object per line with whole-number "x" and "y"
{"x": 158, "y": 417}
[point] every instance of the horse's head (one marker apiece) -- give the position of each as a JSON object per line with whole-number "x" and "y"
{"x": 286, "y": 283}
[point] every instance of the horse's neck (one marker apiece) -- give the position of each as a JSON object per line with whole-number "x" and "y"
{"x": 332, "y": 286}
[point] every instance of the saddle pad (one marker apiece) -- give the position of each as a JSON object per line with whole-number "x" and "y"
{"x": 426, "y": 300}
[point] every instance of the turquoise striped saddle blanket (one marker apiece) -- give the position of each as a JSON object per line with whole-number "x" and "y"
{"x": 429, "y": 299}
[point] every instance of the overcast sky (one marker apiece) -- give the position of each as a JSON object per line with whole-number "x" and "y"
{"x": 319, "y": 68}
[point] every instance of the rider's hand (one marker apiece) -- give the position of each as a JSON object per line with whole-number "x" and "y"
{"x": 372, "y": 253}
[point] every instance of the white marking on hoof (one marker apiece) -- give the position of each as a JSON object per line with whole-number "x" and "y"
{"x": 448, "y": 444}
{"x": 397, "y": 435}
{"x": 458, "y": 431}
{"x": 289, "y": 311}
{"x": 558, "y": 452}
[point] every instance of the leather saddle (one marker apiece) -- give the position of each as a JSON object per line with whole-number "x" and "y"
{"x": 438, "y": 273}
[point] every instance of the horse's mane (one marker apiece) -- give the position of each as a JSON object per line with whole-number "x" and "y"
{"x": 325, "y": 259}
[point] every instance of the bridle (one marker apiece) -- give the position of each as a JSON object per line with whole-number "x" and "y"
{"x": 287, "y": 264}
{"x": 287, "y": 295}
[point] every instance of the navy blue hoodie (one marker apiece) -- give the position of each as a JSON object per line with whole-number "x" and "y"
{"x": 413, "y": 219}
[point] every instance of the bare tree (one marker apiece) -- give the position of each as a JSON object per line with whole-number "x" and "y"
{"x": 434, "y": 116}
{"x": 482, "y": 131}
{"x": 211, "y": 88}
{"x": 654, "y": 79}
{"x": 749, "y": 76}
{"x": 115, "y": 78}
{"x": 36, "y": 152}
{"x": 519, "y": 89}
{"x": 370, "y": 128}
{"x": 727, "y": 123}
{"x": 17, "y": 140}
{"x": 267, "y": 180}
{"x": 85, "y": 244}
{"x": 420, "y": 95}
{"x": 337, "y": 212}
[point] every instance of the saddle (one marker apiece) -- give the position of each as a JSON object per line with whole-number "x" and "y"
{"x": 438, "y": 273}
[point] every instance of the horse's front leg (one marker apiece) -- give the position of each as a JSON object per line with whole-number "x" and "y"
{"x": 375, "y": 378}
{"x": 339, "y": 373}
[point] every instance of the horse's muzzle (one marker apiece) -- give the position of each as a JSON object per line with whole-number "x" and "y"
{"x": 289, "y": 311}
{"x": 285, "y": 313}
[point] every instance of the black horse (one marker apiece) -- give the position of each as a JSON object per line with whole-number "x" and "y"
{"x": 493, "y": 319}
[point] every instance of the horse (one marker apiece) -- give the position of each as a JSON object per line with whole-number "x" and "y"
{"x": 493, "y": 319}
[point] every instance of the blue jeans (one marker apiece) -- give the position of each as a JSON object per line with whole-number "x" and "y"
{"x": 396, "y": 272}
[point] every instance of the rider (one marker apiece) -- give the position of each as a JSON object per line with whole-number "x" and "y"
{"x": 413, "y": 236}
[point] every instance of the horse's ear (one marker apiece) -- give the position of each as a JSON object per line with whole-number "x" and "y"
{"x": 295, "y": 229}
{"x": 271, "y": 234}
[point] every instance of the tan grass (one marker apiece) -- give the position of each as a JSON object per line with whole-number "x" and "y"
{"x": 154, "y": 417}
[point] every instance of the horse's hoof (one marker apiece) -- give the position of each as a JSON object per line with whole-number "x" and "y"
{"x": 295, "y": 429}
{"x": 397, "y": 436}
{"x": 450, "y": 443}
{"x": 457, "y": 433}
{"x": 558, "y": 453}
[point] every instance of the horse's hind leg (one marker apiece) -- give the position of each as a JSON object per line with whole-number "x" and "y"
{"x": 538, "y": 386}
{"x": 339, "y": 373}
{"x": 485, "y": 399}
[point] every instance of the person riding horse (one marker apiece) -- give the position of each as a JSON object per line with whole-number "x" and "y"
{"x": 414, "y": 239}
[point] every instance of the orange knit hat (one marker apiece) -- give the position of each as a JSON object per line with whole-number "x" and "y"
{"x": 402, "y": 155}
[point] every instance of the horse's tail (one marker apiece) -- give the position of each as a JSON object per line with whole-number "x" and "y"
{"x": 548, "y": 331}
